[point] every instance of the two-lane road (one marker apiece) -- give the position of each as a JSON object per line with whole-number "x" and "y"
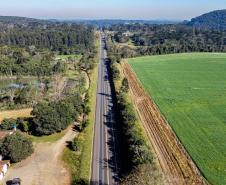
{"x": 104, "y": 164}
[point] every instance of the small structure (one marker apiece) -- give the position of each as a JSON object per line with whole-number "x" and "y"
{"x": 4, "y": 166}
{"x": 14, "y": 127}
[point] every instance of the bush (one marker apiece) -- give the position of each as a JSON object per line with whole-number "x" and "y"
{"x": 53, "y": 117}
{"x": 83, "y": 125}
{"x": 115, "y": 72}
{"x": 86, "y": 109}
{"x": 16, "y": 147}
{"x": 8, "y": 124}
{"x": 23, "y": 125}
{"x": 125, "y": 86}
{"x": 143, "y": 174}
{"x": 77, "y": 102}
{"x": 76, "y": 144}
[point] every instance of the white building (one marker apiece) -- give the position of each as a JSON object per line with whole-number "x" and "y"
{"x": 4, "y": 166}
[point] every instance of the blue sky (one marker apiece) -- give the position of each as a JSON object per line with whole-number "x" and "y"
{"x": 99, "y": 9}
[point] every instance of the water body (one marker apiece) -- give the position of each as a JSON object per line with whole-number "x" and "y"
{"x": 6, "y": 84}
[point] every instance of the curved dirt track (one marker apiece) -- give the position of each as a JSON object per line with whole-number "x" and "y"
{"x": 44, "y": 167}
{"x": 177, "y": 166}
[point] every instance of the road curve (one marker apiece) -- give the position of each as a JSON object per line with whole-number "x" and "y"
{"x": 104, "y": 164}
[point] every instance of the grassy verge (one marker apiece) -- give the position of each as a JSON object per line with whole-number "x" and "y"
{"x": 88, "y": 135}
{"x": 146, "y": 169}
{"x": 51, "y": 138}
{"x": 73, "y": 162}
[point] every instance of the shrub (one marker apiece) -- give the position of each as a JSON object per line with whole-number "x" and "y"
{"x": 23, "y": 125}
{"x": 83, "y": 125}
{"x": 125, "y": 86}
{"x": 16, "y": 147}
{"x": 8, "y": 124}
{"x": 76, "y": 144}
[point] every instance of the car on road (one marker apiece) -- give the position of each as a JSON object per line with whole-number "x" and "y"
{"x": 15, "y": 181}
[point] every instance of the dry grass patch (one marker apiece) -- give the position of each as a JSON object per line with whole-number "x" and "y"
{"x": 21, "y": 113}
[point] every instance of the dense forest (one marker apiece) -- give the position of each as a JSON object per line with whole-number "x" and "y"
{"x": 61, "y": 37}
{"x": 6, "y": 20}
{"x": 139, "y": 39}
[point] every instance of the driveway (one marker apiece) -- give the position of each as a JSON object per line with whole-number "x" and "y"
{"x": 44, "y": 167}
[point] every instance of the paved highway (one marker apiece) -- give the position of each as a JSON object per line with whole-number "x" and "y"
{"x": 104, "y": 164}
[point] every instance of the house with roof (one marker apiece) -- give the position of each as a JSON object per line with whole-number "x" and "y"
{"x": 4, "y": 164}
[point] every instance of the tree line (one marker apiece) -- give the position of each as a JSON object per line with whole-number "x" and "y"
{"x": 137, "y": 160}
{"x": 166, "y": 39}
{"x": 61, "y": 37}
{"x": 135, "y": 153}
{"x": 137, "y": 148}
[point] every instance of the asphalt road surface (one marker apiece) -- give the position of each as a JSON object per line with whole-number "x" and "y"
{"x": 104, "y": 164}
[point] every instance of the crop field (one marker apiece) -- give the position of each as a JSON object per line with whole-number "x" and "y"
{"x": 190, "y": 91}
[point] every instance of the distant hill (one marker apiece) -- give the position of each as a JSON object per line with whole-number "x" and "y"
{"x": 110, "y": 22}
{"x": 17, "y": 20}
{"x": 213, "y": 20}
{"x": 6, "y": 20}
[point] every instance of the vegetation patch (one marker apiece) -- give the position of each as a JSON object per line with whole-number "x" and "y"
{"x": 73, "y": 162}
{"x": 88, "y": 135}
{"x": 51, "y": 138}
{"x": 16, "y": 147}
{"x": 81, "y": 147}
{"x": 137, "y": 156}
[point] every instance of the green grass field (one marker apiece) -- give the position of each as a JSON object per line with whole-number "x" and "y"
{"x": 190, "y": 90}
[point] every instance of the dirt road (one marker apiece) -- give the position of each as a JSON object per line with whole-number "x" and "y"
{"x": 177, "y": 166}
{"x": 44, "y": 167}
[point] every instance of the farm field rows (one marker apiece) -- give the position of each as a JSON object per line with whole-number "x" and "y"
{"x": 190, "y": 91}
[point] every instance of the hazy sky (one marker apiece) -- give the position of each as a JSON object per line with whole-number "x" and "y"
{"x": 96, "y": 9}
